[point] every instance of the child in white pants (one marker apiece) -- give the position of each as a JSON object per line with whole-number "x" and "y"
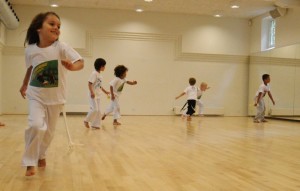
{"x": 259, "y": 99}
{"x": 95, "y": 87}
{"x": 47, "y": 61}
{"x": 116, "y": 87}
{"x": 203, "y": 88}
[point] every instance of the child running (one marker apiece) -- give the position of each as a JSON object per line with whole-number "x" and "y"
{"x": 191, "y": 92}
{"x": 95, "y": 87}
{"x": 47, "y": 60}
{"x": 116, "y": 87}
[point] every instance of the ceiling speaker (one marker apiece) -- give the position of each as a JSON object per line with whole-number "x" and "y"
{"x": 278, "y": 12}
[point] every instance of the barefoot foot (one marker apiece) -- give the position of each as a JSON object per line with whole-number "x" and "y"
{"x": 116, "y": 123}
{"x": 86, "y": 124}
{"x": 30, "y": 171}
{"x": 42, "y": 163}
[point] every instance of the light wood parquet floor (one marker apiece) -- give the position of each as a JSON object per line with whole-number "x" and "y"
{"x": 158, "y": 153}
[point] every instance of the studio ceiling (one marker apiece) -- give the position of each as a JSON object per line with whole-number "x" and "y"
{"x": 248, "y": 8}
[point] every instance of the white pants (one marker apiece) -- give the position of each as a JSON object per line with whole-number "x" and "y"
{"x": 94, "y": 115}
{"x": 38, "y": 136}
{"x": 260, "y": 110}
{"x": 114, "y": 107}
{"x": 201, "y": 106}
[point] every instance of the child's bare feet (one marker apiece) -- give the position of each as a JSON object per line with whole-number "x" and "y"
{"x": 95, "y": 127}
{"x": 86, "y": 124}
{"x": 189, "y": 118}
{"x": 116, "y": 123}
{"x": 103, "y": 117}
{"x": 30, "y": 171}
{"x": 42, "y": 163}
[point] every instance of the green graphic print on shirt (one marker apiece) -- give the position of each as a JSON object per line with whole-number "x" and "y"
{"x": 45, "y": 75}
{"x": 121, "y": 87}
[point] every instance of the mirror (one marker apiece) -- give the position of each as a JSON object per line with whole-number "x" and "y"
{"x": 283, "y": 65}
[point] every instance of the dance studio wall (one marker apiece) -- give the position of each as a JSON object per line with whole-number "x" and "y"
{"x": 282, "y": 63}
{"x": 2, "y": 38}
{"x": 1, "y": 78}
{"x": 287, "y": 30}
{"x": 161, "y": 51}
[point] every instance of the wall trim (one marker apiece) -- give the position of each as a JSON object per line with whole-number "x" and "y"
{"x": 176, "y": 39}
{"x": 274, "y": 61}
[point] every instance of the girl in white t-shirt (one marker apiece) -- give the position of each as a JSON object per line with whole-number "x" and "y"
{"x": 95, "y": 87}
{"x": 116, "y": 87}
{"x": 191, "y": 92}
{"x": 47, "y": 61}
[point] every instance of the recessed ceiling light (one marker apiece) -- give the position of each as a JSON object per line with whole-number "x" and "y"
{"x": 218, "y": 13}
{"x": 148, "y": 0}
{"x": 235, "y": 6}
{"x": 53, "y": 3}
{"x": 139, "y": 10}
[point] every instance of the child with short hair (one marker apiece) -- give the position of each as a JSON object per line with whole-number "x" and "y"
{"x": 95, "y": 87}
{"x": 259, "y": 99}
{"x": 202, "y": 89}
{"x": 45, "y": 56}
{"x": 116, "y": 87}
{"x": 191, "y": 92}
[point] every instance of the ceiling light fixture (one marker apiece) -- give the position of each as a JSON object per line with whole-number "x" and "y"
{"x": 218, "y": 14}
{"x": 148, "y": 0}
{"x": 139, "y": 10}
{"x": 53, "y": 3}
{"x": 234, "y": 5}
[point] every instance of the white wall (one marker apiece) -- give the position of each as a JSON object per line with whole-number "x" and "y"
{"x": 287, "y": 30}
{"x": 1, "y": 78}
{"x": 2, "y": 40}
{"x": 282, "y": 63}
{"x": 161, "y": 51}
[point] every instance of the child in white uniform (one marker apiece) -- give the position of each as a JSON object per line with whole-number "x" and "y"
{"x": 259, "y": 99}
{"x": 191, "y": 92}
{"x": 203, "y": 88}
{"x": 47, "y": 61}
{"x": 95, "y": 87}
{"x": 116, "y": 87}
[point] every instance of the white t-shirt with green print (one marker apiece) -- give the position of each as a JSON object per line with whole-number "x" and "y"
{"x": 118, "y": 85}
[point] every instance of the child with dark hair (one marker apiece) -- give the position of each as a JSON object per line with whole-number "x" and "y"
{"x": 116, "y": 87}
{"x": 44, "y": 52}
{"x": 259, "y": 99}
{"x": 95, "y": 87}
{"x": 191, "y": 92}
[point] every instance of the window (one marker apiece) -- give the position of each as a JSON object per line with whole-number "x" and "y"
{"x": 268, "y": 33}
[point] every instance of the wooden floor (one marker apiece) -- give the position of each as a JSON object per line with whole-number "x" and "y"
{"x": 159, "y": 153}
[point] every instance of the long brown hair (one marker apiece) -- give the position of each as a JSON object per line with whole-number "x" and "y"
{"x": 32, "y": 35}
